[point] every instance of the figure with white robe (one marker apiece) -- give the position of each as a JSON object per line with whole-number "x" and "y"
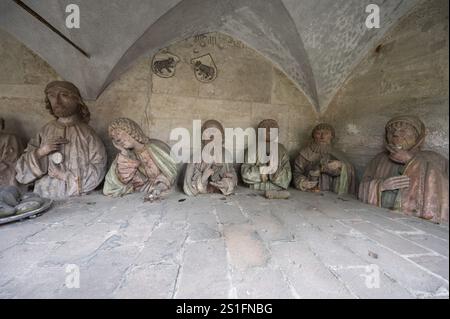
{"x": 66, "y": 158}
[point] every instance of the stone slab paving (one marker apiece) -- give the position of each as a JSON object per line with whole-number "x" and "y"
{"x": 312, "y": 245}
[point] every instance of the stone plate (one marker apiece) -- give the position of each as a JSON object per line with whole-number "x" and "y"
{"x": 42, "y": 209}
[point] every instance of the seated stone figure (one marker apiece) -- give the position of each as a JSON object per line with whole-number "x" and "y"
{"x": 66, "y": 158}
{"x": 278, "y": 180}
{"x": 13, "y": 202}
{"x": 202, "y": 178}
{"x": 141, "y": 165}
{"x": 404, "y": 177}
{"x": 10, "y": 150}
{"x": 321, "y": 167}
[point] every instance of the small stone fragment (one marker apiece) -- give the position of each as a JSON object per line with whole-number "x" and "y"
{"x": 373, "y": 255}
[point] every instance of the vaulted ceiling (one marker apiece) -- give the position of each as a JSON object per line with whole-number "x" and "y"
{"x": 317, "y": 43}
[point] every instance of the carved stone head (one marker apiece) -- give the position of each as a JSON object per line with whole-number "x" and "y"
{"x": 63, "y": 99}
{"x": 267, "y": 125}
{"x": 323, "y": 134}
{"x": 405, "y": 132}
{"x": 212, "y": 124}
{"x": 126, "y": 133}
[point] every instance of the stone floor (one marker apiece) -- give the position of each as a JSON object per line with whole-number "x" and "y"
{"x": 244, "y": 246}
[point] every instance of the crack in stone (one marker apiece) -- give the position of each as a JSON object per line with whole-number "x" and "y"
{"x": 232, "y": 292}
{"x": 179, "y": 260}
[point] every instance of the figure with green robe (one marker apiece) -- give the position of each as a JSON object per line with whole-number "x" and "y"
{"x": 321, "y": 167}
{"x": 214, "y": 177}
{"x": 254, "y": 173}
{"x": 142, "y": 164}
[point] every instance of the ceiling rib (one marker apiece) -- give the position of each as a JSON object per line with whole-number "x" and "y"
{"x": 48, "y": 25}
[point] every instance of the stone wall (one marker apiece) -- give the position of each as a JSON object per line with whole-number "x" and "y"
{"x": 248, "y": 89}
{"x": 406, "y": 74}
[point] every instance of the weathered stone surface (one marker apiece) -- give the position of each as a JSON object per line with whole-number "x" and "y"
{"x": 379, "y": 235}
{"x": 358, "y": 280}
{"x": 240, "y": 96}
{"x": 307, "y": 274}
{"x": 437, "y": 264}
{"x": 245, "y": 247}
{"x": 429, "y": 241}
{"x": 260, "y": 283}
{"x": 163, "y": 244}
{"x": 419, "y": 281}
{"x": 148, "y": 281}
{"x": 308, "y": 246}
{"x": 406, "y": 74}
{"x": 204, "y": 272}
{"x": 229, "y": 213}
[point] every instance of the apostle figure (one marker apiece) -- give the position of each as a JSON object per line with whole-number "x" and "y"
{"x": 142, "y": 165}
{"x": 321, "y": 167}
{"x": 404, "y": 177}
{"x": 66, "y": 158}
{"x": 213, "y": 177}
{"x": 10, "y": 150}
{"x": 276, "y": 173}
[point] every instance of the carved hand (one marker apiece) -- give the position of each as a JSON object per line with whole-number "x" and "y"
{"x": 225, "y": 185}
{"x": 207, "y": 173}
{"x": 306, "y": 184}
{"x": 334, "y": 165}
{"x": 58, "y": 172}
{"x": 50, "y": 146}
{"x": 396, "y": 182}
{"x": 219, "y": 184}
{"x": 315, "y": 173}
{"x": 155, "y": 192}
{"x": 228, "y": 175}
{"x": 126, "y": 167}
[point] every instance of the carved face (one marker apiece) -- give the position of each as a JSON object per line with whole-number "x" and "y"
{"x": 267, "y": 125}
{"x": 323, "y": 136}
{"x": 63, "y": 102}
{"x": 123, "y": 139}
{"x": 402, "y": 135}
{"x": 268, "y": 134}
{"x": 211, "y": 129}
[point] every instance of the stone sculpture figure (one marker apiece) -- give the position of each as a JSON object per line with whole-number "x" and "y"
{"x": 142, "y": 165}
{"x": 10, "y": 150}
{"x": 203, "y": 177}
{"x": 66, "y": 158}
{"x": 406, "y": 178}
{"x": 13, "y": 202}
{"x": 280, "y": 179}
{"x": 321, "y": 167}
